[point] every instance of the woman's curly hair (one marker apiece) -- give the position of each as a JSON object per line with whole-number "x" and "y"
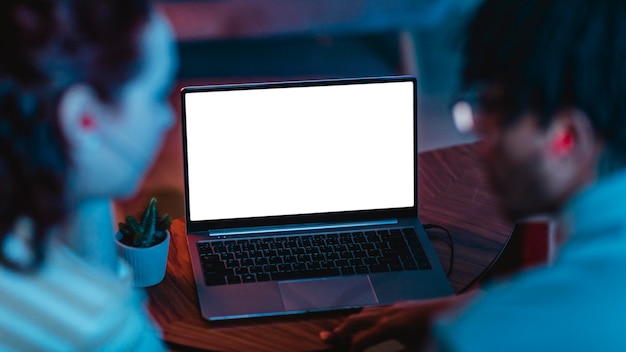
{"x": 46, "y": 46}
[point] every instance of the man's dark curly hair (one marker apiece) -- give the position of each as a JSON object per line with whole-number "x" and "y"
{"x": 545, "y": 55}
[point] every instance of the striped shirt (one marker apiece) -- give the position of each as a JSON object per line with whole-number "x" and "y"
{"x": 70, "y": 305}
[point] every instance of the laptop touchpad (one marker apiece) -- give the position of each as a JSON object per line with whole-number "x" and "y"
{"x": 354, "y": 291}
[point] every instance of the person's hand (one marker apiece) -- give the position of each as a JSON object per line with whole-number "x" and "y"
{"x": 407, "y": 322}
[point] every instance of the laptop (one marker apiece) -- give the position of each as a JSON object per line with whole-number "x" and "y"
{"x": 302, "y": 197}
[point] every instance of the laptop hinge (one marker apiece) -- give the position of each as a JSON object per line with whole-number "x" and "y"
{"x": 299, "y": 227}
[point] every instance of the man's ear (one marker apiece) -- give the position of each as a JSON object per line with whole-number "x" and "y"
{"x": 571, "y": 139}
{"x": 79, "y": 116}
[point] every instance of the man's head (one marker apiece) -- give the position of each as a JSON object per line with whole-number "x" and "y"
{"x": 547, "y": 83}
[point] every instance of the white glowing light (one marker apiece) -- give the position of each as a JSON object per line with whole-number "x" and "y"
{"x": 463, "y": 117}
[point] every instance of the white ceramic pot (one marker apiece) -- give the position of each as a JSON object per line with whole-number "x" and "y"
{"x": 148, "y": 264}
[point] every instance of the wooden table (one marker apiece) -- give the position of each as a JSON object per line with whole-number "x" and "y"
{"x": 452, "y": 193}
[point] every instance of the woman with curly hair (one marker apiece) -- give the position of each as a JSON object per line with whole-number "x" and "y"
{"x": 83, "y": 110}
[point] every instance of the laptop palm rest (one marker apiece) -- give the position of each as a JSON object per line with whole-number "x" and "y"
{"x": 355, "y": 291}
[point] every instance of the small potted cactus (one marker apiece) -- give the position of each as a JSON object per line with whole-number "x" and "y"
{"x": 143, "y": 241}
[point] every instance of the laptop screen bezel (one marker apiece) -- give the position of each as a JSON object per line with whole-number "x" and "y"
{"x": 344, "y": 216}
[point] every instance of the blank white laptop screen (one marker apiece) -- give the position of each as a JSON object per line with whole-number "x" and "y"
{"x": 300, "y": 150}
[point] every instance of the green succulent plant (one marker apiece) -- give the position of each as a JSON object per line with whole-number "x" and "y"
{"x": 147, "y": 229}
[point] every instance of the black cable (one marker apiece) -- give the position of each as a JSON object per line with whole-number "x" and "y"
{"x": 450, "y": 243}
{"x": 489, "y": 267}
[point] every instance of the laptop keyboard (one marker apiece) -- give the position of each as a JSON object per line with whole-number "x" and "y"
{"x": 239, "y": 261}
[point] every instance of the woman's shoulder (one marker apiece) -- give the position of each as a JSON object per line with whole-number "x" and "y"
{"x": 70, "y": 303}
